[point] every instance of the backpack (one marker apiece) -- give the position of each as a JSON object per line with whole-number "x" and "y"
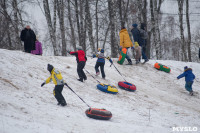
{"x": 143, "y": 34}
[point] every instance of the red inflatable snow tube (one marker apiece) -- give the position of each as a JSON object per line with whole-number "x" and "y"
{"x": 101, "y": 114}
{"x": 127, "y": 86}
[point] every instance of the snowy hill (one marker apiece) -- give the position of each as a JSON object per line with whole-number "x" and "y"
{"x": 160, "y": 102}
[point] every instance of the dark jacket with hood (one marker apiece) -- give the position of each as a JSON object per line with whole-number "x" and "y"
{"x": 136, "y": 35}
{"x": 29, "y": 38}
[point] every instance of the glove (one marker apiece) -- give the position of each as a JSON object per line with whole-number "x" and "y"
{"x": 120, "y": 48}
{"x": 93, "y": 55}
{"x": 132, "y": 48}
{"x": 68, "y": 51}
{"x": 42, "y": 84}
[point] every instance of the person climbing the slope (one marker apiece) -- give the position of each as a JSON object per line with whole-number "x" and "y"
{"x": 125, "y": 42}
{"x": 81, "y": 60}
{"x": 59, "y": 84}
{"x": 101, "y": 62}
{"x": 189, "y": 79}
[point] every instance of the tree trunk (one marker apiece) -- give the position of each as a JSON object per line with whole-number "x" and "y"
{"x": 189, "y": 32}
{"x": 73, "y": 41}
{"x": 180, "y": 5}
{"x": 50, "y": 26}
{"x": 60, "y": 10}
{"x": 97, "y": 24}
{"x": 144, "y": 18}
{"x": 16, "y": 24}
{"x": 89, "y": 27}
{"x": 83, "y": 26}
{"x": 77, "y": 21}
{"x": 139, "y": 3}
{"x": 153, "y": 28}
{"x": 112, "y": 28}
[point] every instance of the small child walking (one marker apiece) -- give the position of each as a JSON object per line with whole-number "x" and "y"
{"x": 101, "y": 62}
{"x": 189, "y": 79}
{"x": 59, "y": 84}
{"x": 138, "y": 52}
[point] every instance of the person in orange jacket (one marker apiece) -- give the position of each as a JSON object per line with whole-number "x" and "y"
{"x": 125, "y": 42}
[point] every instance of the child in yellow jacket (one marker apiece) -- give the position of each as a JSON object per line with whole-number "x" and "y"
{"x": 59, "y": 84}
{"x": 138, "y": 52}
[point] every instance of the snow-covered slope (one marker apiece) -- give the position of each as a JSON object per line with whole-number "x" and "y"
{"x": 160, "y": 102}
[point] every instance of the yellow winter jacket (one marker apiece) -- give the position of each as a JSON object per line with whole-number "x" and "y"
{"x": 56, "y": 77}
{"x": 125, "y": 40}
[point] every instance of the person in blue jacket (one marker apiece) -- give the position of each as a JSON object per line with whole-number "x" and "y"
{"x": 101, "y": 62}
{"x": 189, "y": 79}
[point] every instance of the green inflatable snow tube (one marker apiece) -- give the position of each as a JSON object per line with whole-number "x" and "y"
{"x": 162, "y": 67}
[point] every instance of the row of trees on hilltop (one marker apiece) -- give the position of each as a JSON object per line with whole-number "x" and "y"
{"x": 96, "y": 23}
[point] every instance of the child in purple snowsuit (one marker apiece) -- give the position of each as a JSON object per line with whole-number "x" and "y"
{"x": 189, "y": 79}
{"x": 38, "y": 48}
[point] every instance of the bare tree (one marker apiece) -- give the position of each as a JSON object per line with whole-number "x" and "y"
{"x": 60, "y": 11}
{"x": 89, "y": 27}
{"x": 97, "y": 24}
{"x": 77, "y": 21}
{"x": 155, "y": 14}
{"x": 50, "y": 25}
{"x": 180, "y": 6}
{"x": 189, "y": 32}
{"x": 112, "y": 28}
{"x": 123, "y": 15}
{"x": 73, "y": 41}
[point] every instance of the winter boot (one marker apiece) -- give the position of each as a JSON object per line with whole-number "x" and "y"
{"x": 137, "y": 62}
{"x": 146, "y": 60}
{"x": 81, "y": 79}
{"x": 85, "y": 78}
{"x": 63, "y": 104}
{"x": 97, "y": 73}
{"x": 129, "y": 62}
{"x": 191, "y": 93}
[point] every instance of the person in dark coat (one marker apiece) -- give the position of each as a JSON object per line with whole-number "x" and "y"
{"x": 189, "y": 79}
{"x": 143, "y": 40}
{"x": 28, "y": 37}
{"x": 81, "y": 59}
{"x": 136, "y": 33}
{"x": 137, "y": 38}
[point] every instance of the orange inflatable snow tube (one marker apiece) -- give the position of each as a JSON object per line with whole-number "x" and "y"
{"x": 156, "y": 65}
{"x": 101, "y": 114}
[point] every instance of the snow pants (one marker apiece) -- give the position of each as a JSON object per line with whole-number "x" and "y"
{"x": 101, "y": 65}
{"x": 80, "y": 71}
{"x": 58, "y": 94}
{"x": 188, "y": 85}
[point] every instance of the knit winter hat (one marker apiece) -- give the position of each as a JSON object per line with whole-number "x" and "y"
{"x": 136, "y": 44}
{"x": 134, "y": 25}
{"x": 49, "y": 67}
{"x": 79, "y": 47}
{"x": 185, "y": 67}
{"x": 102, "y": 51}
{"x": 99, "y": 49}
